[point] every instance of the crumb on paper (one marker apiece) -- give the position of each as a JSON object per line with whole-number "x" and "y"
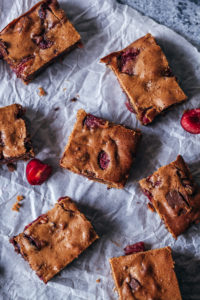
{"x": 115, "y": 243}
{"x": 56, "y": 108}
{"x": 20, "y": 198}
{"x": 41, "y": 92}
{"x": 11, "y": 167}
{"x": 64, "y": 89}
{"x": 73, "y": 99}
{"x": 16, "y": 206}
{"x": 98, "y": 280}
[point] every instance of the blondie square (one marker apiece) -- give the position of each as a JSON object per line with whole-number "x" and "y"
{"x": 174, "y": 195}
{"x": 100, "y": 150}
{"x": 32, "y": 41}
{"x": 55, "y": 239}
{"x": 144, "y": 74}
{"x": 146, "y": 275}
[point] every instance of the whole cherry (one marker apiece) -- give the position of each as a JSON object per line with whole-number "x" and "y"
{"x": 37, "y": 172}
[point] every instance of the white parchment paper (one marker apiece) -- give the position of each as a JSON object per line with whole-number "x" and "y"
{"x": 120, "y": 217}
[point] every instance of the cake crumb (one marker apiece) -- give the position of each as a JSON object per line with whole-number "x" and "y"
{"x": 20, "y": 198}
{"x": 42, "y": 92}
{"x": 74, "y": 99}
{"x": 16, "y": 206}
{"x": 115, "y": 243}
{"x": 98, "y": 280}
{"x": 11, "y": 167}
{"x": 56, "y": 108}
{"x": 64, "y": 89}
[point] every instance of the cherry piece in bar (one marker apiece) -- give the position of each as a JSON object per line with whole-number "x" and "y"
{"x": 137, "y": 247}
{"x": 190, "y": 121}
{"x": 37, "y": 172}
{"x": 93, "y": 122}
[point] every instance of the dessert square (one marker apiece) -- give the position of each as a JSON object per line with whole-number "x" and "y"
{"x": 55, "y": 239}
{"x": 15, "y": 143}
{"x": 174, "y": 196}
{"x": 144, "y": 74}
{"x": 32, "y": 41}
{"x": 146, "y": 275}
{"x": 100, "y": 150}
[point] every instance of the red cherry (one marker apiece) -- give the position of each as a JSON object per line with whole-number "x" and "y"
{"x": 37, "y": 172}
{"x": 137, "y": 247}
{"x": 190, "y": 121}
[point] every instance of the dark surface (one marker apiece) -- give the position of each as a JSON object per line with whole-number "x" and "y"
{"x": 183, "y": 16}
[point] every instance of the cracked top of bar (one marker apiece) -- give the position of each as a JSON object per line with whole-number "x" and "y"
{"x": 174, "y": 195}
{"x": 15, "y": 141}
{"x": 33, "y": 40}
{"x": 146, "y": 275}
{"x": 100, "y": 150}
{"x": 55, "y": 239}
{"x": 145, "y": 76}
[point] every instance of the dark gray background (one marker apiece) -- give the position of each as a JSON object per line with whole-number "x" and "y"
{"x": 183, "y": 16}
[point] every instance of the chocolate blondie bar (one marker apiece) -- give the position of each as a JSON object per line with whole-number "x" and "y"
{"x": 146, "y": 275}
{"x": 55, "y": 239}
{"x": 100, "y": 150}
{"x": 32, "y": 41}
{"x": 144, "y": 74}
{"x": 174, "y": 195}
{"x": 15, "y": 143}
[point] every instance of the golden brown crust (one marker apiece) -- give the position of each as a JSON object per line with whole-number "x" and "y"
{"x": 81, "y": 154}
{"x": 15, "y": 143}
{"x": 175, "y": 196}
{"x": 146, "y": 275}
{"x": 55, "y": 239}
{"x": 35, "y": 39}
{"x": 152, "y": 88}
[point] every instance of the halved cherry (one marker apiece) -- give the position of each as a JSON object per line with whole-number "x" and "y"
{"x": 37, "y": 172}
{"x": 190, "y": 121}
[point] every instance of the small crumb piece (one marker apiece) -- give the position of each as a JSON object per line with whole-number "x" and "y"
{"x": 64, "y": 89}
{"x": 116, "y": 244}
{"x": 74, "y": 99}
{"x": 16, "y": 206}
{"x": 98, "y": 280}
{"x": 20, "y": 198}
{"x": 42, "y": 92}
{"x": 11, "y": 167}
{"x": 56, "y": 108}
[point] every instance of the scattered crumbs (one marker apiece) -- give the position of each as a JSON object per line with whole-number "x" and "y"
{"x": 150, "y": 206}
{"x": 64, "y": 89}
{"x": 56, "y": 108}
{"x": 98, "y": 280}
{"x": 11, "y": 167}
{"x": 116, "y": 244}
{"x": 42, "y": 92}
{"x": 16, "y": 206}
{"x": 74, "y": 99}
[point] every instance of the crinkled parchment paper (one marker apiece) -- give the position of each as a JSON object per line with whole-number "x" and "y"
{"x": 120, "y": 217}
